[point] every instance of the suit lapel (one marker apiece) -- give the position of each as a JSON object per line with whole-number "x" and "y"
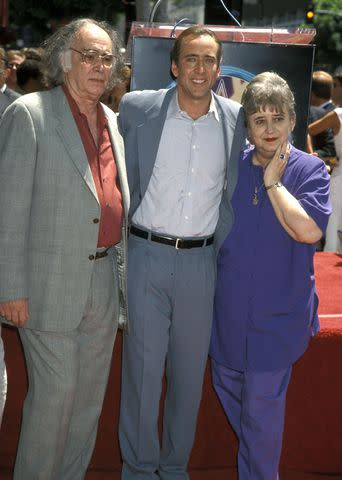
{"x": 149, "y": 134}
{"x": 68, "y": 131}
{"x": 228, "y": 127}
{"x": 234, "y": 135}
{"x": 118, "y": 148}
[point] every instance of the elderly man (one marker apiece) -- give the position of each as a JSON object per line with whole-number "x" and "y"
{"x": 64, "y": 199}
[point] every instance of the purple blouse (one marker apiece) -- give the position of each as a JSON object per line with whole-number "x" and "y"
{"x": 265, "y": 307}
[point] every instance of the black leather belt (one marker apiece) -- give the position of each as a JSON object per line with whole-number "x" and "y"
{"x": 172, "y": 242}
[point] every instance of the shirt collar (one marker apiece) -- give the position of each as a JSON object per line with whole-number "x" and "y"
{"x": 102, "y": 119}
{"x": 213, "y": 108}
{"x": 3, "y": 88}
{"x": 174, "y": 109}
{"x": 326, "y": 104}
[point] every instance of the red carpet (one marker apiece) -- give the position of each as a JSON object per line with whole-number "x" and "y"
{"x": 313, "y": 433}
{"x": 328, "y": 267}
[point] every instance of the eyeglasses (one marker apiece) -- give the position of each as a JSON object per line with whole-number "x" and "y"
{"x": 12, "y": 65}
{"x": 90, "y": 57}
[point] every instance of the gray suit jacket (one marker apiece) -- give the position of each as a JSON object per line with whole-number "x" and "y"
{"x": 4, "y": 102}
{"x": 48, "y": 202}
{"x": 141, "y": 120}
{"x": 11, "y": 94}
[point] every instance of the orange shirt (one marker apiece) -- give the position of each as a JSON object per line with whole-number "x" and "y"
{"x": 103, "y": 167}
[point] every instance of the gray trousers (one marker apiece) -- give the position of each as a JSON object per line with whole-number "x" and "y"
{"x": 170, "y": 299}
{"x": 68, "y": 373}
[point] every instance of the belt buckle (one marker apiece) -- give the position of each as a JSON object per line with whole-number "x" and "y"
{"x": 177, "y": 242}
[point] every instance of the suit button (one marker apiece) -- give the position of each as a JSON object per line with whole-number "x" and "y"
{"x": 91, "y": 257}
{"x": 96, "y": 220}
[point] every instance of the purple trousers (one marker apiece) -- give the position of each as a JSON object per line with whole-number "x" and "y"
{"x": 254, "y": 403}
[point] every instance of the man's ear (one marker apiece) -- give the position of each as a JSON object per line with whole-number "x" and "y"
{"x": 65, "y": 58}
{"x": 174, "y": 69}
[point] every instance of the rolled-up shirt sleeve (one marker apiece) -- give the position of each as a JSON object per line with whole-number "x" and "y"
{"x": 312, "y": 190}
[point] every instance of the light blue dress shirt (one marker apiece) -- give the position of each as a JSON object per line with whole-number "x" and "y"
{"x": 185, "y": 189}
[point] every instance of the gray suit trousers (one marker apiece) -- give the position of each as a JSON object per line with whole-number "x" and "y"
{"x": 68, "y": 373}
{"x": 170, "y": 299}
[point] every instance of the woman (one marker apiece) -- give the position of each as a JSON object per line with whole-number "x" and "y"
{"x": 333, "y": 120}
{"x": 265, "y": 303}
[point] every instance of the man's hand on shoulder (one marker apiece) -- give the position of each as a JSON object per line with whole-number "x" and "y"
{"x": 15, "y": 311}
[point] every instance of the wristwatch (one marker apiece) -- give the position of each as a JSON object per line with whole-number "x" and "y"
{"x": 274, "y": 185}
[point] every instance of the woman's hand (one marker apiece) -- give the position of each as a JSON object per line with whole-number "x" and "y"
{"x": 275, "y": 168}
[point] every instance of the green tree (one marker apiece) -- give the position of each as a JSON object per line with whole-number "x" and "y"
{"x": 329, "y": 32}
{"x": 44, "y": 16}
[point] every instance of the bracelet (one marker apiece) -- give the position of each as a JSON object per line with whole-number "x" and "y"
{"x": 276, "y": 185}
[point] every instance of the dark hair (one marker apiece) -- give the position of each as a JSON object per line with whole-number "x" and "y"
{"x": 61, "y": 40}
{"x": 337, "y": 77}
{"x": 195, "y": 31}
{"x": 28, "y": 69}
{"x": 268, "y": 89}
{"x": 322, "y": 84}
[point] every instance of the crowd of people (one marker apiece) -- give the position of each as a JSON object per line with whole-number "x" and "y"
{"x": 107, "y": 220}
{"x": 325, "y": 140}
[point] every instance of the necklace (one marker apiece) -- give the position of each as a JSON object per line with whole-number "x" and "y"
{"x": 257, "y": 188}
{"x": 255, "y": 198}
